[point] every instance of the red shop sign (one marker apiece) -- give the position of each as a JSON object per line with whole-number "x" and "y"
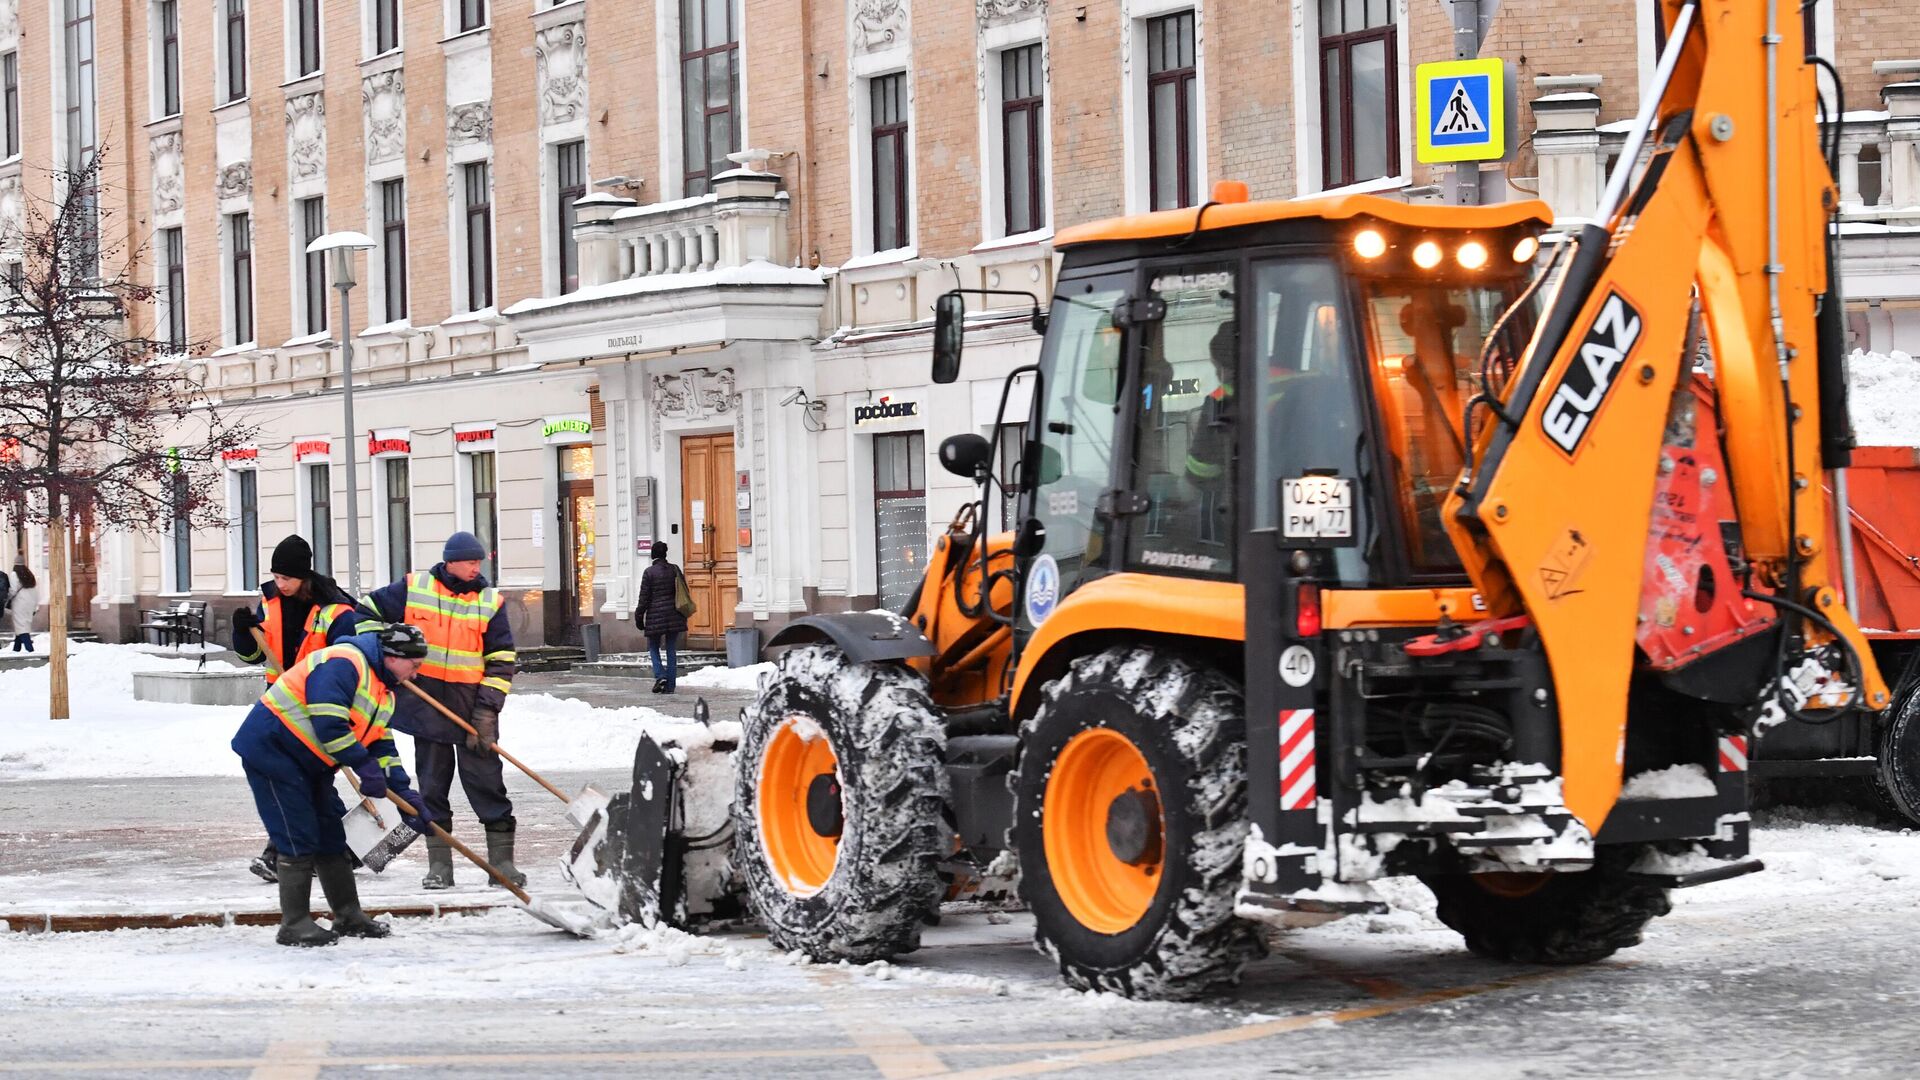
{"x": 241, "y": 453}
{"x": 474, "y": 436}
{"x": 307, "y": 448}
{"x": 376, "y": 447}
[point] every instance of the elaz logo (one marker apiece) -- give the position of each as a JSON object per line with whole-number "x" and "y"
{"x": 1584, "y": 386}
{"x": 885, "y": 409}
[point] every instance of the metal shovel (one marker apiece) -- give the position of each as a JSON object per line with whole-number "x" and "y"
{"x": 572, "y": 922}
{"x": 580, "y": 809}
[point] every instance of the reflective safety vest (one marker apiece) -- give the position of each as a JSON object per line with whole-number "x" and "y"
{"x": 367, "y": 716}
{"x": 456, "y": 629}
{"x": 319, "y": 617}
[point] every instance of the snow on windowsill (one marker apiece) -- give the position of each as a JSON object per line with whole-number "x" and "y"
{"x": 386, "y": 329}
{"x": 1017, "y": 240}
{"x": 306, "y": 340}
{"x": 634, "y": 213}
{"x": 889, "y": 257}
{"x": 753, "y": 273}
{"x": 235, "y": 350}
{"x": 466, "y": 317}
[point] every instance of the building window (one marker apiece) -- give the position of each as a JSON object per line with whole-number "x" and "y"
{"x": 709, "y": 90}
{"x": 169, "y": 57}
{"x": 244, "y": 492}
{"x": 486, "y": 511}
{"x": 386, "y": 26}
{"x": 1359, "y": 106}
{"x": 1867, "y": 175}
{"x": 10, "y": 87}
{"x": 81, "y": 133}
{"x": 888, "y": 101}
{"x": 1022, "y": 126}
{"x": 16, "y": 278}
{"x": 240, "y": 276}
{"x": 306, "y": 39}
{"x": 399, "y": 517}
{"x": 393, "y": 247}
{"x": 180, "y": 537}
{"x": 313, "y": 276}
{"x": 320, "y": 516}
{"x": 900, "y": 514}
{"x": 473, "y": 14}
{"x": 175, "y": 249}
{"x": 570, "y": 180}
{"x": 236, "y": 49}
{"x": 479, "y": 213}
{"x": 1173, "y": 160}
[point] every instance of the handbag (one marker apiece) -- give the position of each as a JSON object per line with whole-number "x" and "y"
{"x": 682, "y": 596}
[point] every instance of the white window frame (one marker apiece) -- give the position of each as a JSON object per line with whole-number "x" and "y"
{"x": 1307, "y": 154}
{"x": 229, "y": 303}
{"x": 368, "y": 30}
{"x": 221, "y": 95}
{"x": 236, "y": 564}
{"x": 995, "y": 43}
{"x": 297, "y": 266}
{"x": 1133, "y": 98}
{"x": 156, "y": 73}
{"x": 866, "y": 69}
{"x": 170, "y": 585}
{"x": 290, "y": 39}
{"x": 450, "y": 19}
{"x": 669, "y": 93}
{"x": 162, "y": 301}
{"x": 457, "y": 160}
{"x": 553, "y": 140}
{"x": 303, "y": 496}
{"x": 381, "y": 570}
{"x": 376, "y": 263}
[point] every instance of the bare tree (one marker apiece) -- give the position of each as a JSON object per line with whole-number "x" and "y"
{"x": 94, "y": 416}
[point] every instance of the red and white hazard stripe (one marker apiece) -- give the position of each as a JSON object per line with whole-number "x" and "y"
{"x": 1296, "y": 759}
{"x": 1733, "y": 753}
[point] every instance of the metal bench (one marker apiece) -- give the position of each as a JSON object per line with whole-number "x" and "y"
{"x": 182, "y": 623}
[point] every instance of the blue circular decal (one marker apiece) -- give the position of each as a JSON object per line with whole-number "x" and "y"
{"x": 1043, "y": 589}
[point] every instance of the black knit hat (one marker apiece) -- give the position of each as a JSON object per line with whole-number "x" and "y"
{"x": 293, "y": 558}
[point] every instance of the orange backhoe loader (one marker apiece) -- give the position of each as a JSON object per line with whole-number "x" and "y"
{"x": 1354, "y": 539}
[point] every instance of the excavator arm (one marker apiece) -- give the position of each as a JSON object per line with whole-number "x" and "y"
{"x": 1728, "y": 216}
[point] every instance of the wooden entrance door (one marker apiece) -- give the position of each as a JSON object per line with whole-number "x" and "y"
{"x": 82, "y": 569}
{"x": 711, "y": 544}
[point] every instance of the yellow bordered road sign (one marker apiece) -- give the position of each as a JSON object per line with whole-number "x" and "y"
{"x": 1460, "y": 110}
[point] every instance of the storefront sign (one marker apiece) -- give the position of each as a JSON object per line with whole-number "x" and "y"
{"x": 389, "y": 441}
{"x": 473, "y": 440}
{"x": 561, "y": 430}
{"x": 884, "y": 410}
{"x": 312, "y": 448}
{"x": 240, "y": 454}
{"x": 618, "y": 342}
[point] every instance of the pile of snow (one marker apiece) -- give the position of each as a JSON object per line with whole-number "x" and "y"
{"x": 112, "y": 735}
{"x": 1672, "y": 782}
{"x": 726, "y": 678}
{"x": 1884, "y": 398}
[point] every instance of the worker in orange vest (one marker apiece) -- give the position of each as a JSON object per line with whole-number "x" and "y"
{"x": 469, "y": 669}
{"x": 296, "y": 610}
{"x": 327, "y": 712}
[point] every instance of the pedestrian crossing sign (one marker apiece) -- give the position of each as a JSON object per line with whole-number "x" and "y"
{"x": 1460, "y": 110}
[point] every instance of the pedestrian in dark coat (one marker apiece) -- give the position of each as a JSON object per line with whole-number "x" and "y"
{"x": 658, "y": 616}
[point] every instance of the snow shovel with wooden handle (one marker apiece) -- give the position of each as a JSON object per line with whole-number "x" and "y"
{"x": 580, "y": 809}
{"x": 371, "y": 839}
{"x": 545, "y": 911}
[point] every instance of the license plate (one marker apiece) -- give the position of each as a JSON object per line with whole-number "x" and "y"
{"x": 1317, "y": 508}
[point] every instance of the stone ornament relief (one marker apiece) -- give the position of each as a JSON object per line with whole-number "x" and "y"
{"x": 560, "y": 54}
{"x": 169, "y": 181}
{"x": 879, "y": 24}
{"x": 13, "y": 213}
{"x": 470, "y": 123}
{"x": 235, "y": 181}
{"x": 999, "y": 12}
{"x": 307, "y": 137}
{"x": 384, "y": 96}
{"x": 695, "y": 394}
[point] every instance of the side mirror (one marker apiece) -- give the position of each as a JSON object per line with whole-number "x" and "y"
{"x": 949, "y": 331}
{"x": 965, "y": 454}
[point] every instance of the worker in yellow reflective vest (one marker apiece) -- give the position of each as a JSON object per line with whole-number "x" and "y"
{"x": 296, "y": 610}
{"x": 469, "y": 669}
{"x": 327, "y": 712}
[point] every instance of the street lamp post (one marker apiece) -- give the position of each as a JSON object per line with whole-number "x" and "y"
{"x": 340, "y": 248}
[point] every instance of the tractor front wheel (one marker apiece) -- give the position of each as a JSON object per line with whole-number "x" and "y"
{"x": 839, "y": 788}
{"x": 1130, "y": 819}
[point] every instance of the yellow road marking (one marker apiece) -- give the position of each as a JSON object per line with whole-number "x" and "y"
{"x": 290, "y": 1060}
{"x": 1245, "y": 1033}
{"x": 892, "y": 1048}
{"x": 610, "y": 1057}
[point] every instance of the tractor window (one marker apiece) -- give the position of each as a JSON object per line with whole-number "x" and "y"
{"x": 1308, "y": 416}
{"x": 1184, "y": 441}
{"x": 1427, "y": 342}
{"x": 1081, "y": 362}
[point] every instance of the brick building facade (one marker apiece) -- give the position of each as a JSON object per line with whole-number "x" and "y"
{"x": 643, "y": 271}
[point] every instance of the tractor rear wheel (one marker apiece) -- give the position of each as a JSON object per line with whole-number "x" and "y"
{"x": 1130, "y": 819}
{"x": 1551, "y": 918}
{"x": 839, "y": 790}
{"x": 1897, "y": 780}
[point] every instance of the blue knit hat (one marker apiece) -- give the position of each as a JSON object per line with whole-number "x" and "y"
{"x": 462, "y": 546}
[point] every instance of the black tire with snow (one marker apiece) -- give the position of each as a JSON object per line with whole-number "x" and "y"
{"x": 889, "y": 744}
{"x": 1188, "y": 722}
{"x": 1896, "y": 782}
{"x": 1574, "y": 918}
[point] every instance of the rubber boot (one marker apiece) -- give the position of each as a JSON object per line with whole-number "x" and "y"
{"x": 343, "y": 897}
{"x": 296, "y": 905}
{"x": 263, "y": 865}
{"x": 659, "y": 686}
{"x": 500, "y": 851}
{"x": 439, "y": 865}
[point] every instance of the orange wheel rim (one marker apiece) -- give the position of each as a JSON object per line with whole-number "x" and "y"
{"x": 801, "y": 857}
{"x": 1511, "y": 886}
{"x": 1095, "y": 770}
